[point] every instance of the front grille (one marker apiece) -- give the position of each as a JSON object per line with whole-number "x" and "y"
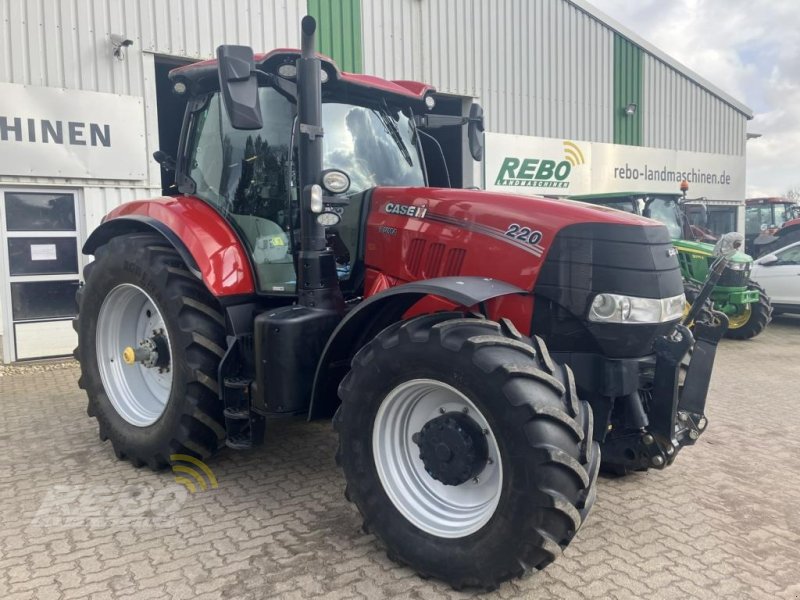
{"x": 433, "y": 261}
{"x": 731, "y": 278}
{"x": 415, "y": 255}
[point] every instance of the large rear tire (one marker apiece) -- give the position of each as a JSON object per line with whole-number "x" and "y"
{"x": 439, "y": 385}
{"x": 139, "y": 294}
{"x": 754, "y": 318}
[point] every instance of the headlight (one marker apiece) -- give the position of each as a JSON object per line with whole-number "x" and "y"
{"x": 616, "y": 308}
{"x": 335, "y": 181}
{"x": 739, "y": 266}
{"x": 287, "y": 71}
{"x": 328, "y": 219}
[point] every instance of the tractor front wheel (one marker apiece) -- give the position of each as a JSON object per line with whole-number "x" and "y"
{"x": 752, "y": 319}
{"x": 465, "y": 448}
{"x": 150, "y": 339}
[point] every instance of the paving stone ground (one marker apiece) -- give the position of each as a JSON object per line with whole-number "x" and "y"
{"x": 76, "y": 523}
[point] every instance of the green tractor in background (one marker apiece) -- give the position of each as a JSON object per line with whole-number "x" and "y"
{"x": 743, "y": 301}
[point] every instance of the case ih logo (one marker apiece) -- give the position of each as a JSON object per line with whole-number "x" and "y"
{"x": 406, "y": 210}
{"x": 540, "y": 172}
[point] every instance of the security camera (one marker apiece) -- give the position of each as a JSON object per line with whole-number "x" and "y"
{"x": 118, "y": 42}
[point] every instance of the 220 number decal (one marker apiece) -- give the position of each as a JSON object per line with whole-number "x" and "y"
{"x": 526, "y": 234}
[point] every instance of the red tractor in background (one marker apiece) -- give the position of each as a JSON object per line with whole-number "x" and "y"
{"x": 771, "y": 224}
{"x": 306, "y": 269}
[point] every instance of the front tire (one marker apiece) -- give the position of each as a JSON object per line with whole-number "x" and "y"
{"x": 422, "y": 383}
{"x": 754, "y": 319}
{"x": 138, "y": 289}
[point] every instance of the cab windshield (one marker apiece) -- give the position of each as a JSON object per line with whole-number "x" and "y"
{"x": 246, "y": 175}
{"x": 374, "y": 146}
{"x": 767, "y": 216}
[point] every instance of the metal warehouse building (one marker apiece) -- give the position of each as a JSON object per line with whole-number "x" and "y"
{"x": 84, "y": 102}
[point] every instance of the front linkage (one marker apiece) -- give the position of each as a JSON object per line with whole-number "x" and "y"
{"x": 679, "y": 381}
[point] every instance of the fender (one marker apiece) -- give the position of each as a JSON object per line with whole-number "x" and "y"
{"x": 378, "y": 312}
{"x": 203, "y": 238}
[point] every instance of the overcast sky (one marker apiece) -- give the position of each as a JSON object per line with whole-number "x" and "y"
{"x": 750, "y": 49}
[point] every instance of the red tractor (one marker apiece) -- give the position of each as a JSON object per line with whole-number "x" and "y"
{"x": 306, "y": 269}
{"x": 771, "y": 224}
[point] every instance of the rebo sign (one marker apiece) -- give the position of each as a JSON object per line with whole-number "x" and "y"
{"x": 558, "y": 167}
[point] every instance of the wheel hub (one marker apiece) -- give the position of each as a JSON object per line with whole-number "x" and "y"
{"x": 152, "y": 352}
{"x": 452, "y": 448}
{"x": 450, "y": 511}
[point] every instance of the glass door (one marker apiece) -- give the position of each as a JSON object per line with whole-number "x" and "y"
{"x": 41, "y": 272}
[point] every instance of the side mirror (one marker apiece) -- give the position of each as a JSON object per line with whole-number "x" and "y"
{"x": 475, "y": 131}
{"x": 769, "y": 259}
{"x": 165, "y": 160}
{"x": 239, "y": 86}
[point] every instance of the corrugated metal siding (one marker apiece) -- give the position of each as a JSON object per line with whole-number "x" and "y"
{"x": 627, "y": 90}
{"x": 66, "y": 44}
{"x": 339, "y": 26}
{"x": 539, "y": 67}
{"x": 678, "y": 114}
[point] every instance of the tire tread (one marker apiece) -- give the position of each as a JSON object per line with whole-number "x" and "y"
{"x": 201, "y": 430}
{"x": 572, "y": 417}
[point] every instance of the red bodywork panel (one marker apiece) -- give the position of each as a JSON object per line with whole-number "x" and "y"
{"x": 216, "y": 249}
{"x": 790, "y": 224}
{"x": 471, "y": 233}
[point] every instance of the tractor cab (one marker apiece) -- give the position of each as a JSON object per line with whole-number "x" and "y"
{"x": 370, "y": 135}
{"x": 668, "y": 209}
{"x": 771, "y": 223}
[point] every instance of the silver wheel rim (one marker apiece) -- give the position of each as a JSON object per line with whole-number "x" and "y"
{"x": 448, "y": 511}
{"x": 138, "y": 393}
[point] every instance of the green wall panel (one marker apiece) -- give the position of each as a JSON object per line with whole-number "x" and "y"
{"x": 339, "y": 26}
{"x": 627, "y": 90}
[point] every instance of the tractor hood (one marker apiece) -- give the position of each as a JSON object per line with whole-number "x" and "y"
{"x": 707, "y": 250}
{"x": 564, "y": 252}
{"x": 507, "y": 235}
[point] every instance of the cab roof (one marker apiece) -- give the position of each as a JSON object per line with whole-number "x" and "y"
{"x": 771, "y": 200}
{"x": 202, "y": 76}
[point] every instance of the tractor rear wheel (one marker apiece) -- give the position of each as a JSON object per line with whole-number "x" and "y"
{"x": 150, "y": 339}
{"x": 465, "y": 448}
{"x": 753, "y": 318}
